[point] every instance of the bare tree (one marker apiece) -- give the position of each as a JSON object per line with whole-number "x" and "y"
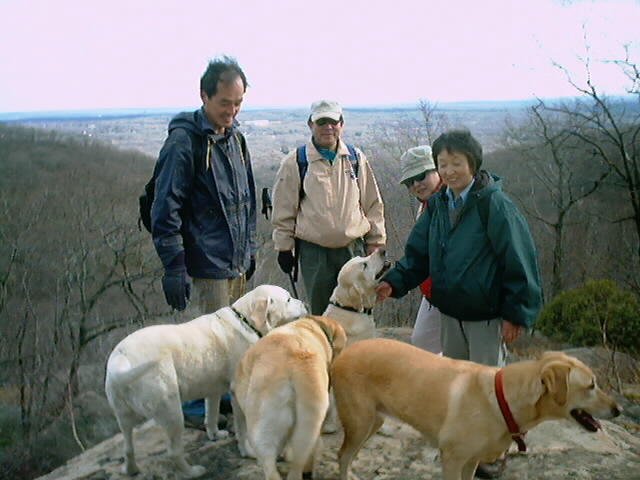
{"x": 557, "y": 164}
{"x": 610, "y": 128}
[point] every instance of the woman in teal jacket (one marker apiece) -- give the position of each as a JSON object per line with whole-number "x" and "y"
{"x": 478, "y": 249}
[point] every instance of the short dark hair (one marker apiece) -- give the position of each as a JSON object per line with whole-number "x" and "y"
{"x": 460, "y": 141}
{"x": 221, "y": 69}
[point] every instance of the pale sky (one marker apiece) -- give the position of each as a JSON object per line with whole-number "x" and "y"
{"x": 89, "y": 54}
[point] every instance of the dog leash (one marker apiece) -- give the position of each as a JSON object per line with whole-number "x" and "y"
{"x": 293, "y": 286}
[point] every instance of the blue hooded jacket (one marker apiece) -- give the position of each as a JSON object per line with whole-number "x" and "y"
{"x": 206, "y": 209}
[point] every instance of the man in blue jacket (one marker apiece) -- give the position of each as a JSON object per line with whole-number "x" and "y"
{"x": 203, "y": 217}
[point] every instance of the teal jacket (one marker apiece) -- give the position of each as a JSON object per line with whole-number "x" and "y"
{"x": 484, "y": 267}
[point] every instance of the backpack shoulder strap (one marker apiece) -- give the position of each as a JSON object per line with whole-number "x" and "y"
{"x": 301, "y": 160}
{"x": 197, "y": 144}
{"x": 303, "y": 163}
{"x": 483, "y": 209}
{"x": 353, "y": 158}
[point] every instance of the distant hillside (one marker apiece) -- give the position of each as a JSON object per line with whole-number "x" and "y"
{"x": 113, "y": 113}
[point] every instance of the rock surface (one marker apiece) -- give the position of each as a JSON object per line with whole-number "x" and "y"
{"x": 556, "y": 450}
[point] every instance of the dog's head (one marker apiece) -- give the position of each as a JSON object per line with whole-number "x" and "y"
{"x": 268, "y": 306}
{"x": 334, "y": 332}
{"x": 570, "y": 391}
{"x": 357, "y": 281}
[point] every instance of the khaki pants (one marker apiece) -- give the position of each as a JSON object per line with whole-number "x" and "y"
{"x": 209, "y": 295}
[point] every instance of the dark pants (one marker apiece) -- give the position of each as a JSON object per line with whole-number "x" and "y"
{"x": 320, "y": 267}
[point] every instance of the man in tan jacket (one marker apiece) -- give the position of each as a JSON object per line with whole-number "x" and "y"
{"x": 337, "y": 212}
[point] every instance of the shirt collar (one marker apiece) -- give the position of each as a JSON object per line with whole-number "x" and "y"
{"x": 463, "y": 195}
{"x": 208, "y": 129}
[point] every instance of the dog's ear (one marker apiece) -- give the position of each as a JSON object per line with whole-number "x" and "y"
{"x": 356, "y": 297}
{"x": 555, "y": 378}
{"x": 258, "y": 315}
{"x": 339, "y": 339}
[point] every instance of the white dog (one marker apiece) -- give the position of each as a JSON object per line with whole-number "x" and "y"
{"x": 354, "y": 297}
{"x": 351, "y": 305}
{"x": 154, "y": 369}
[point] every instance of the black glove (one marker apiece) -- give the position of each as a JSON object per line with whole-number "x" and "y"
{"x": 251, "y": 270}
{"x": 286, "y": 261}
{"x": 177, "y": 288}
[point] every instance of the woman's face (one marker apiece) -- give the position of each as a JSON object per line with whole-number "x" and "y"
{"x": 424, "y": 188}
{"x": 454, "y": 170}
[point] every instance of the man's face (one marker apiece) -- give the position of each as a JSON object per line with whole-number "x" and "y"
{"x": 326, "y": 132}
{"x": 223, "y": 107}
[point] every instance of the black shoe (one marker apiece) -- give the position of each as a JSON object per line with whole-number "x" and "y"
{"x": 490, "y": 470}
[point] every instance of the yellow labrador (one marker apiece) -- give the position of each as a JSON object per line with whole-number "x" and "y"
{"x": 281, "y": 394}
{"x": 453, "y": 403}
{"x": 154, "y": 369}
{"x": 354, "y": 297}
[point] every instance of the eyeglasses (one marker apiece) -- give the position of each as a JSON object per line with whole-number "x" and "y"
{"x": 321, "y": 122}
{"x": 417, "y": 178}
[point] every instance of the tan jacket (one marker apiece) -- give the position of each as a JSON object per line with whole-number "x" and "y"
{"x": 336, "y": 208}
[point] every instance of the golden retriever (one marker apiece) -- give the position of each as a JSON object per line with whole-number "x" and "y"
{"x": 154, "y": 369}
{"x": 453, "y": 404}
{"x": 281, "y": 394}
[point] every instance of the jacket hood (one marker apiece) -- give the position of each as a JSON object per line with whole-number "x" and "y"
{"x": 485, "y": 184}
{"x": 198, "y": 123}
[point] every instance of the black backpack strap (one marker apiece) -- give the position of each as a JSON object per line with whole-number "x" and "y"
{"x": 301, "y": 160}
{"x": 483, "y": 209}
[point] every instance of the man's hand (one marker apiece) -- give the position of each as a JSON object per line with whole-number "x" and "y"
{"x": 251, "y": 270}
{"x": 177, "y": 288}
{"x": 286, "y": 261}
{"x": 510, "y": 332}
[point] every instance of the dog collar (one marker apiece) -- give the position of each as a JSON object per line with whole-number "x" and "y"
{"x": 351, "y": 309}
{"x": 514, "y": 430}
{"x": 246, "y": 321}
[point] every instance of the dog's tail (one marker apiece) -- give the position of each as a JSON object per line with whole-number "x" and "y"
{"x": 119, "y": 369}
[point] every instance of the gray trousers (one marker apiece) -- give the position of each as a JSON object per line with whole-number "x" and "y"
{"x": 479, "y": 342}
{"x": 320, "y": 267}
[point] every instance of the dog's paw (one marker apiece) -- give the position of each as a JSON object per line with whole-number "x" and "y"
{"x": 245, "y": 450}
{"x": 130, "y": 469}
{"x": 329, "y": 427}
{"x": 215, "y": 435}
{"x": 196, "y": 471}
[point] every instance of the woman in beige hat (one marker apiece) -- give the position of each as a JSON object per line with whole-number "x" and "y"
{"x": 420, "y": 176}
